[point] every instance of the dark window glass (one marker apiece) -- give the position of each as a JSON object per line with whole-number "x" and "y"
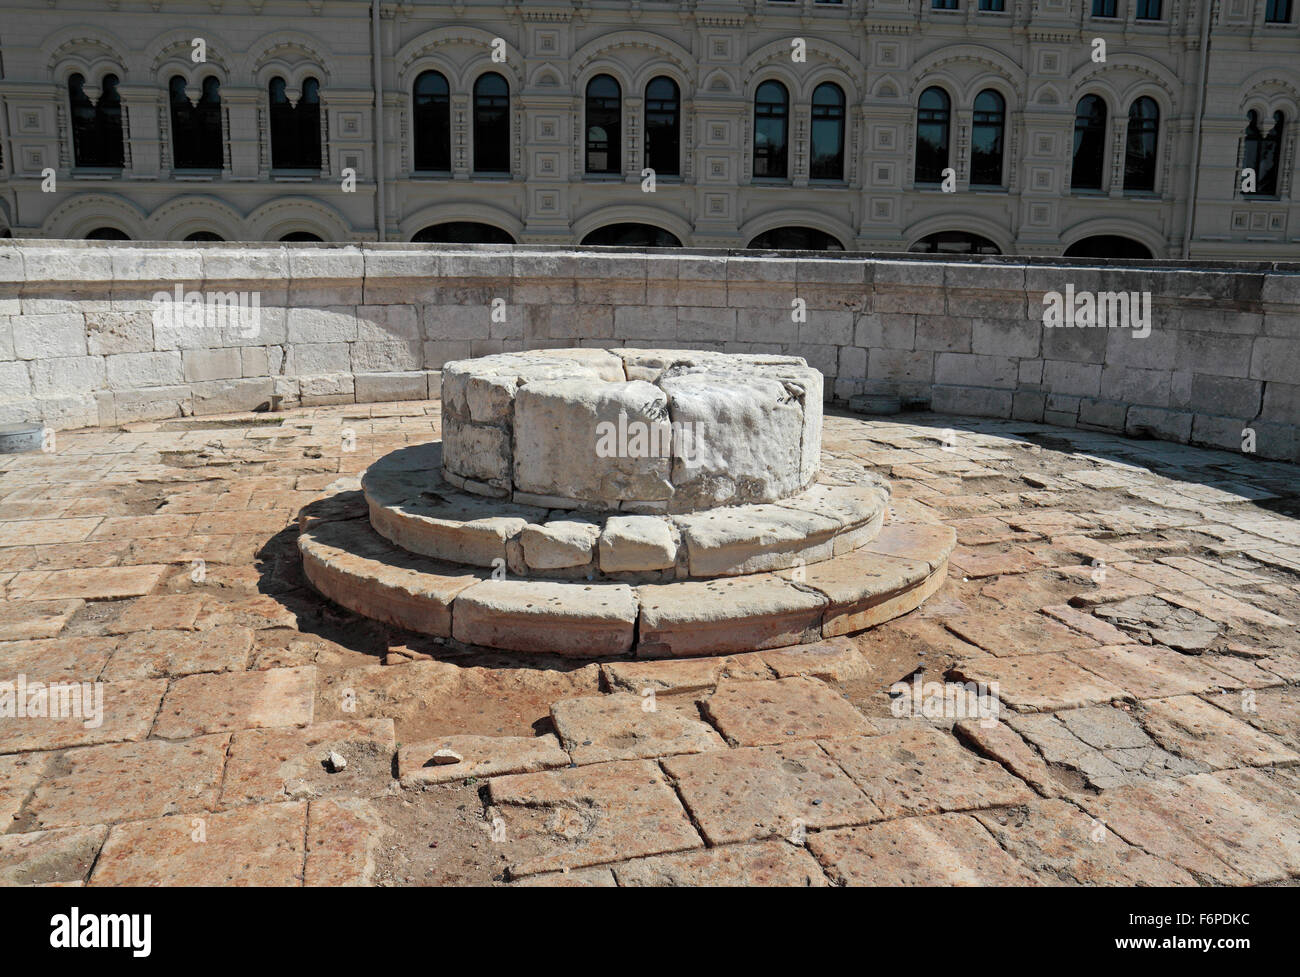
{"x": 463, "y": 232}
{"x": 1107, "y": 246}
{"x": 491, "y": 125}
{"x": 795, "y": 239}
{"x": 932, "y": 116}
{"x": 203, "y": 236}
{"x": 1103, "y": 8}
{"x": 989, "y": 126}
{"x": 196, "y": 129}
{"x": 604, "y": 125}
{"x": 827, "y": 132}
{"x": 1089, "y": 143}
{"x": 1148, "y": 9}
{"x": 1140, "y": 147}
{"x": 295, "y": 129}
{"x": 663, "y": 127}
{"x": 300, "y": 236}
{"x": 771, "y": 117}
{"x": 107, "y": 234}
{"x": 96, "y": 127}
{"x": 632, "y": 236}
{"x": 1278, "y": 11}
{"x": 432, "y": 122}
{"x": 1267, "y": 154}
{"x": 997, "y": 6}
{"x": 954, "y": 242}
{"x": 943, "y": 4}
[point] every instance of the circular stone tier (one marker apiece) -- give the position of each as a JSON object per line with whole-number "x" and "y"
{"x": 636, "y": 431}
{"x": 841, "y": 511}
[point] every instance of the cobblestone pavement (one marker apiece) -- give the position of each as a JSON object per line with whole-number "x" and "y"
{"x": 1134, "y": 602}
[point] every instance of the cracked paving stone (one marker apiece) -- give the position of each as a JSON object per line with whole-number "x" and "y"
{"x": 1176, "y": 627}
{"x": 1151, "y": 672}
{"x": 165, "y": 654}
{"x": 574, "y": 818}
{"x": 1038, "y": 683}
{"x": 59, "y": 856}
{"x": 765, "y": 863}
{"x": 619, "y": 726}
{"x": 924, "y": 771}
{"x": 80, "y": 659}
{"x": 782, "y": 711}
{"x": 1002, "y": 743}
{"x": 344, "y": 834}
{"x": 128, "y": 712}
{"x": 1275, "y": 711}
{"x": 258, "y": 845}
{"x": 1009, "y": 635}
{"x": 684, "y": 674}
{"x": 243, "y": 700}
{"x": 767, "y": 791}
{"x": 36, "y": 619}
{"x": 18, "y": 775}
{"x": 1200, "y": 731}
{"x": 945, "y": 849}
{"x": 481, "y": 756}
{"x": 1061, "y": 843}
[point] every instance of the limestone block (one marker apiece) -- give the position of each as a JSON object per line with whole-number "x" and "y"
{"x": 547, "y": 617}
{"x": 559, "y": 544}
{"x": 750, "y": 538}
{"x": 40, "y": 337}
{"x": 477, "y": 451}
{"x": 383, "y": 387}
{"x": 211, "y": 364}
{"x": 67, "y": 375}
{"x": 636, "y": 543}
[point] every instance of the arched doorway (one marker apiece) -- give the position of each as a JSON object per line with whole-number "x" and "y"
{"x": 107, "y": 234}
{"x": 795, "y": 239}
{"x": 954, "y": 242}
{"x": 1108, "y": 246}
{"x": 631, "y": 236}
{"x": 462, "y": 232}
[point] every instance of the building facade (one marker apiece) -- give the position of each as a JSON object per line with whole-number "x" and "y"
{"x": 1036, "y": 127}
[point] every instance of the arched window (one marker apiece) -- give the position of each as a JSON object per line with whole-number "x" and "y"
{"x": 1140, "y": 147}
{"x": 604, "y": 125}
{"x": 96, "y": 127}
{"x": 827, "y": 132}
{"x": 632, "y": 236}
{"x": 107, "y": 234}
{"x": 932, "y": 116}
{"x": 196, "y": 129}
{"x": 295, "y": 129}
{"x": 1089, "y": 143}
{"x": 795, "y": 239}
{"x": 771, "y": 118}
{"x": 663, "y": 127}
{"x": 1107, "y": 246}
{"x": 462, "y": 232}
{"x": 1263, "y": 153}
{"x": 987, "y": 136}
{"x": 299, "y": 237}
{"x": 954, "y": 242}
{"x": 432, "y": 118}
{"x": 491, "y": 125}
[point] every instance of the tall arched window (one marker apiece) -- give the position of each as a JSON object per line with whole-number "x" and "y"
{"x": 1264, "y": 153}
{"x": 196, "y": 129}
{"x": 663, "y": 127}
{"x": 988, "y": 127}
{"x": 771, "y": 124}
{"x": 96, "y": 127}
{"x": 1089, "y": 143}
{"x": 932, "y": 116}
{"x": 432, "y": 119}
{"x": 827, "y": 132}
{"x": 1140, "y": 147}
{"x": 491, "y": 124}
{"x": 604, "y": 125}
{"x": 295, "y": 129}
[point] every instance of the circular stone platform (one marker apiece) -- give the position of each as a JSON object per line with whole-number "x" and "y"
{"x": 541, "y": 524}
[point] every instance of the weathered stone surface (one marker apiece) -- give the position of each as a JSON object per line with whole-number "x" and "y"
{"x": 719, "y": 616}
{"x": 61, "y": 856}
{"x": 783, "y": 711}
{"x": 37, "y": 619}
{"x": 162, "y": 654}
{"x": 1062, "y": 845}
{"x": 587, "y": 816}
{"x": 623, "y": 726}
{"x": 833, "y": 660}
{"x": 686, "y": 674}
{"x": 257, "y": 845}
{"x": 1193, "y": 728}
{"x": 18, "y": 775}
{"x": 267, "y": 765}
{"x": 344, "y": 835}
{"x": 128, "y": 782}
{"x": 752, "y": 538}
{"x": 921, "y": 770}
{"x": 164, "y": 612}
{"x": 765, "y": 863}
{"x": 1002, "y": 743}
{"x": 767, "y": 791}
{"x": 949, "y": 849}
{"x": 572, "y": 619}
{"x": 1150, "y": 672}
{"x": 245, "y": 700}
{"x": 66, "y": 659}
{"x": 636, "y": 543}
{"x": 1037, "y": 683}
{"x": 560, "y": 543}
{"x": 481, "y": 757}
{"x": 128, "y": 712}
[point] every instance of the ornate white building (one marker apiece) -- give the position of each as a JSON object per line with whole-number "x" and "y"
{"x": 766, "y": 122}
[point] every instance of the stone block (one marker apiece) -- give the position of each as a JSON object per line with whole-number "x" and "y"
{"x": 944, "y": 333}
{"x": 67, "y": 375}
{"x": 560, "y": 544}
{"x": 227, "y": 396}
{"x": 637, "y": 543}
{"x": 980, "y": 401}
{"x": 1006, "y": 337}
{"x": 380, "y": 387}
{"x": 213, "y": 364}
{"x": 1079, "y": 379}
{"x": 331, "y": 324}
{"x": 317, "y": 359}
{"x": 969, "y": 369}
{"x": 1227, "y": 396}
{"x": 1272, "y": 358}
{"x": 42, "y": 337}
{"x": 1220, "y": 355}
{"x": 1157, "y": 422}
{"x": 125, "y": 371}
{"x": 118, "y": 332}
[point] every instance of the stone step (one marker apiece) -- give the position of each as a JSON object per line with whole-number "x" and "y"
{"x": 352, "y": 565}
{"x": 411, "y": 507}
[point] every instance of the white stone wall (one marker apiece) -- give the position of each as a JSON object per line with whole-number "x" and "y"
{"x": 883, "y": 53}
{"x": 81, "y": 342}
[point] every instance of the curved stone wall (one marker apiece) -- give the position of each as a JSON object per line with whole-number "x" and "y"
{"x": 92, "y": 333}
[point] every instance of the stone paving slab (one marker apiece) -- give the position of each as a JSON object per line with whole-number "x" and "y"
{"x": 128, "y": 712}
{"x": 688, "y": 674}
{"x": 267, "y": 765}
{"x": 1194, "y": 728}
{"x": 18, "y": 775}
{"x": 623, "y": 726}
{"x": 782, "y": 711}
{"x": 481, "y": 757}
{"x": 766, "y": 863}
{"x": 68, "y": 659}
{"x": 36, "y": 619}
{"x": 948, "y": 849}
{"x": 767, "y": 791}
{"x": 128, "y": 782}
{"x": 343, "y": 839}
{"x": 61, "y": 856}
{"x": 164, "y": 654}
{"x": 258, "y": 845}
{"x": 247, "y": 700}
{"x": 924, "y": 771}
{"x": 1038, "y": 683}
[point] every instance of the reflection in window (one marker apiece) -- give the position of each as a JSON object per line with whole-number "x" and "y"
{"x": 96, "y": 126}
{"x": 1140, "y": 147}
{"x": 827, "y": 132}
{"x": 771, "y": 117}
{"x": 1089, "y": 143}
{"x": 604, "y": 125}
{"x": 989, "y": 124}
{"x": 932, "y": 116}
{"x": 432, "y": 122}
{"x": 663, "y": 125}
